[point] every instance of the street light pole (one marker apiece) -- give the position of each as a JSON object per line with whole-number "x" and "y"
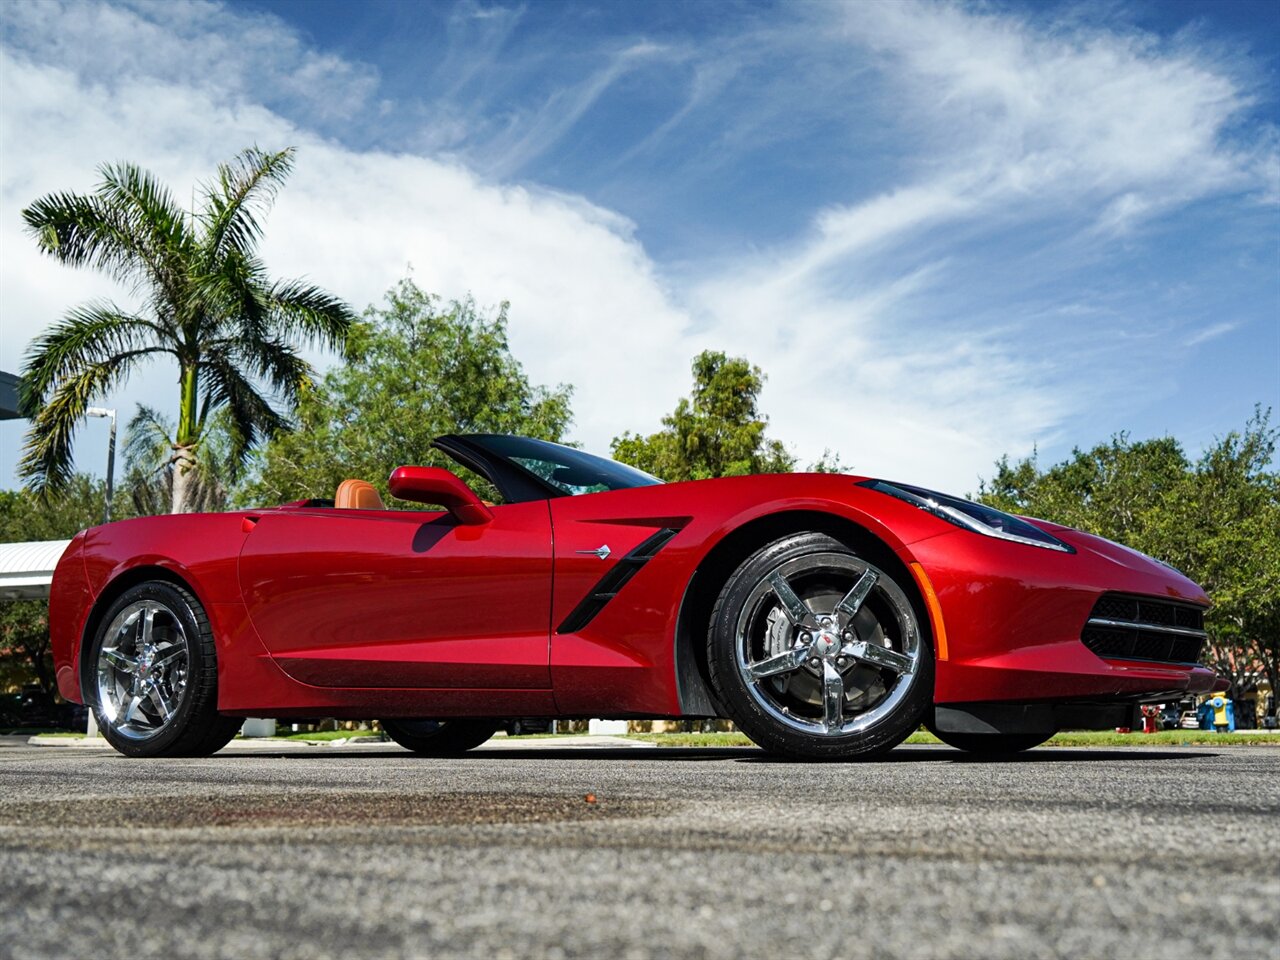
{"x": 111, "y": 456}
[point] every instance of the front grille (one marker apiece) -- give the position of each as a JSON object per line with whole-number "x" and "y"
{"x": 1190, "y": 617}
{"x": 1144, "y": 628}
{"x": 1116, "y": 608}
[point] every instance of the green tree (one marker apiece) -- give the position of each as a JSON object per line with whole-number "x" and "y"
{"x": 1119, "y": 489}
{"x": 24, "y": 624}
{"x": 418, "y": 368}
{"x": 1217, "y": 519}
{"x": 717, "y": 432}
{"x": 25, "y": 653}
{"x": 209, "y": 305}
{"x": 829, "y": 462}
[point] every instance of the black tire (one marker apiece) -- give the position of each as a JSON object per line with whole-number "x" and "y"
{"x": 186, "y": 681}
{"x": 439, "y": 738}
{"x": 888, "y": 623}
{"x": 991, "y": 744}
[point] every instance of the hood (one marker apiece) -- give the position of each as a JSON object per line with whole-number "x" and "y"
{"x": 1126, "y": 557}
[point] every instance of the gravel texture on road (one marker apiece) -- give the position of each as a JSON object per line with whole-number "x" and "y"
{"x": 368, "y": 851}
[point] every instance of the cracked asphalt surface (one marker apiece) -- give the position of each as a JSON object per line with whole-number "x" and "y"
{"x": 368, "y": 851}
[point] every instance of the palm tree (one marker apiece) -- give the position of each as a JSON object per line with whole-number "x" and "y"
{"x": 150, "y": 462}
{"x": 209, "y": 305}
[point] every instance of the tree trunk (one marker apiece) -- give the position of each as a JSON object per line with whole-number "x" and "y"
{"x": 184, "y": 443}
{"x": 183, "y": 465}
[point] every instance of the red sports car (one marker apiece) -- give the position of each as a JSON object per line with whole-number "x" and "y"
{"x": 828, "y": 616}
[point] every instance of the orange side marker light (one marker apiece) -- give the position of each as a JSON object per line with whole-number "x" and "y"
{"x": 935, "y": 610}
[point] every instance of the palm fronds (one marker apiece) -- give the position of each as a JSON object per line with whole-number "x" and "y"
{"x": 151, "y": 457}
{"x": 209, "y": 304}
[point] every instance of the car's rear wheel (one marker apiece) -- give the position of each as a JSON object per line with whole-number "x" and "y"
{"x": 439, "y": 738}
{"x": 991, "y": 744}
{"x": 150, "y": 675}
{"x": 818, "y": 653}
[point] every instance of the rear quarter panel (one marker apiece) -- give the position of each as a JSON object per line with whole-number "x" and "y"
{"x": 70, "y": 601}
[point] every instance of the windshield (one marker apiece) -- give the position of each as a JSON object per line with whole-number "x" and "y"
{"x": 566, "y": 471}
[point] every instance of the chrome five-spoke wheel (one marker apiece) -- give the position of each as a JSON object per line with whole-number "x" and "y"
{"x": 150, "y": 674}
{"x": 142, "y": 669}
{"x": 821, "y": 660}
{"x": 827, "y": 654}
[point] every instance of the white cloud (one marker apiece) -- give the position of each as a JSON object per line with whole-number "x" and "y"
{"x": 1211, "y": 332}
{"x": 245, "y": 57}
{"x": 563, "y": 109}
{"x": 1081, "y": 107}
{"x": 858, "y": 322}
{"x": 1029, "y": 125}
{"x": 588, "y": 308}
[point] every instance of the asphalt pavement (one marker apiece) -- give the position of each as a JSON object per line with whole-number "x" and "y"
{"x": 368, "y": 851}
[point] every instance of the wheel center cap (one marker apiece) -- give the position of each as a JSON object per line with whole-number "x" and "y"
{"x": 825, "y": 643}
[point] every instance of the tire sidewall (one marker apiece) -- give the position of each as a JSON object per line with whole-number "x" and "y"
{"x": 452, "y": 738}
{"x": 990, "y": 744}
{"x": 751, "y": 717}
{"x": 179, "y": 604}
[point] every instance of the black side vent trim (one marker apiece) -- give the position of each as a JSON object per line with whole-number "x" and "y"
{"x": 615, "y": 580}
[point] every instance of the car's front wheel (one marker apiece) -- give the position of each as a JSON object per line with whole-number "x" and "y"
{"x": 150, "y": 675}
{"x": 818, "y": 653}
{"x": 439, "y": 738}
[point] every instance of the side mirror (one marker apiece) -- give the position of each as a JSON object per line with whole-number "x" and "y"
{"x": 439, "y": 487}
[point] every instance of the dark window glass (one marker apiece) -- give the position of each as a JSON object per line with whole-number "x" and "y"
{"x": 570, "y": 471}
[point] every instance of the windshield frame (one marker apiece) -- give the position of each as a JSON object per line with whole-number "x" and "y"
{"x": 483, "y": 453}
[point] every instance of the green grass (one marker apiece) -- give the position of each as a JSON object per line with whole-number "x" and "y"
{"x": 1165, "y": 738}
{"x": 1088, "y": 738}
{"x": 325, "y": 735}
{"x": 692, "y": 739}
{"x": 731, "y": 739}
{"x": 65, "y": 734}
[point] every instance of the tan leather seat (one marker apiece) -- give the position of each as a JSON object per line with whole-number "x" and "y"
{"x": 357, "y": 495}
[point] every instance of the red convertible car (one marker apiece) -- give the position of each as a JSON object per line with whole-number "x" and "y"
{"x": 828, "y": 616}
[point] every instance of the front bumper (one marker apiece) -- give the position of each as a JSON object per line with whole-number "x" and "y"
{"x": 1014, "y": 615}
{"x": 1042, "y": 719}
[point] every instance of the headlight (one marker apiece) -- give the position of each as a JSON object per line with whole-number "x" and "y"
{"x": 977, "y": 517}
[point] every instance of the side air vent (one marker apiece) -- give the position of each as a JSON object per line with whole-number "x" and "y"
{"x": 615, "y": 580}
{"x": 1144, "y": 628}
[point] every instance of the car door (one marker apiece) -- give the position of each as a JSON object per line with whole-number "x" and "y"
{"x": 610, "y": 614}
{"x": 390, "y": 598}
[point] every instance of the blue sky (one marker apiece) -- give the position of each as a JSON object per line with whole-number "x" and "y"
{"x": 945, "y": 231}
